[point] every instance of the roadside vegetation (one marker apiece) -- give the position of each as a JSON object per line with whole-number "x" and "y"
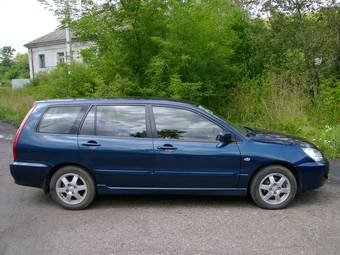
{"x": 274, "y": 65}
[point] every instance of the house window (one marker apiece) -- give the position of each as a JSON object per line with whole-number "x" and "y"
{"x": 42, "y": 63}
{"x": 60, "y": 57}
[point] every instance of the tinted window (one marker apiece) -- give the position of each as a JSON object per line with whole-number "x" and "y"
{"x": 121, "y": 121}
{"x": 88, "y": 125}
{"x": 172, "y": 123}
{"x": 60, "y": 120}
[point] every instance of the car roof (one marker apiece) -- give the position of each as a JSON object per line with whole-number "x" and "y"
{"x": 133, "y": 100}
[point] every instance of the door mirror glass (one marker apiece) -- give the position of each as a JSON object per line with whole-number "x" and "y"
{"x": 225, "y": 138}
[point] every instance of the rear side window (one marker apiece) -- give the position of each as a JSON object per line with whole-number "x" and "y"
{"x": 60, "y": 119}
{"x": 115, "y": 121}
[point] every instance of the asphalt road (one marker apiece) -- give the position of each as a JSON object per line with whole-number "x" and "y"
{"x": 30, "y": 223}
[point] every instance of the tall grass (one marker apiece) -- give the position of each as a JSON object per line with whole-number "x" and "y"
{"x": 280, "y": 103}
{"x": 14, "y": 104}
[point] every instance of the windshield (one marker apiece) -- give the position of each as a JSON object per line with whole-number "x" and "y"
{"x": 242, "y": 129}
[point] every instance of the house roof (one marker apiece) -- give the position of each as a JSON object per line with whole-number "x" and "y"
{"x": 58, "y": 36}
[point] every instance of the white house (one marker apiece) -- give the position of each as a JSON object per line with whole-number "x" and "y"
{"x": 44, "y": 53}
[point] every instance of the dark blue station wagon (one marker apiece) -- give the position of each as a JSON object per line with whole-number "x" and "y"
{"x": 78, "y": 148}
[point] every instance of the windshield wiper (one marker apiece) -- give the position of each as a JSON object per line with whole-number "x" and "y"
{"x": 249, "y": 131}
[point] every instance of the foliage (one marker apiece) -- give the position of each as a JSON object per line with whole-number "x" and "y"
{"x": 64, "y": 10}
{"x": 12, "y": 67}
{"x": 6, "y": 56}
{"x": 279, "y": 71}
{"x": 268, "y": 103}
{"x": 14, "y": 105}
{"x": 76, "y": 80}
{"x": 18, "y": 69}
{"x": 186, "y": 49}
{"x": 329, "y": 100}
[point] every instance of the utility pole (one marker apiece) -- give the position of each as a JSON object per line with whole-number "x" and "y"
{"x": 68, "y": 33}
{"x": 68, "y": 45}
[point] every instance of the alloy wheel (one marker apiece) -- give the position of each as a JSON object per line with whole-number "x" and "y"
{"x": 71, "y": 188}
{"x": 274, "y": 188}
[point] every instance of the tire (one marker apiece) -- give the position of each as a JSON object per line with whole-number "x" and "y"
{"x": 72, "y": 188}
{"x": 273, "y": 187}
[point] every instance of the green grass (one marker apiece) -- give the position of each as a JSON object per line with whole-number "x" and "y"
{"x": 14, "y": 105}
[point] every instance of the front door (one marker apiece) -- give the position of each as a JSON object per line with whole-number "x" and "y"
{"x": 114, "y": 144}
{"x": 187, "y": 154}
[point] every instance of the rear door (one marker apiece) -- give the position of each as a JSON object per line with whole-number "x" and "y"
{"x": 114, "y": 142}
{"x": 188, "y": 154}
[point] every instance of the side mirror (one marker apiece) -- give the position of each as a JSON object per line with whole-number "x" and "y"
{"x": 225, "y": 138}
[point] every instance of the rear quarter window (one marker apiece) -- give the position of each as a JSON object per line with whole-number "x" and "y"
{"x": 60, "y": 120}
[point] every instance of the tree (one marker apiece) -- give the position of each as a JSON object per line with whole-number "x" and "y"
{"x": 6, "y": 56}
{"x": 265, "y": 8}
{"x": 294, "y": 23}
{"x": 66, "y": 11}
{"x": 189, "y": 49}
{"x": 126, "y": 36}
{"x": 19, "y": 68}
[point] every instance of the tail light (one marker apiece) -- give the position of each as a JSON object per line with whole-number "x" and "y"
{"x": 18, "y": 133}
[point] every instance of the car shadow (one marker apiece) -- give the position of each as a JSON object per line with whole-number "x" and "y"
{"x": 322, "y": 196}
{"x": 168, "y": 201}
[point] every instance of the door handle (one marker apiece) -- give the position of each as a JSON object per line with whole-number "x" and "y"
{"x": 91, "y": 143}
{"x": 167, "y": 147}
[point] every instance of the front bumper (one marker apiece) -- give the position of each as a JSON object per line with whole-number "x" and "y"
{"x": 312, "y": 174}
{"x": 29, "y": 174}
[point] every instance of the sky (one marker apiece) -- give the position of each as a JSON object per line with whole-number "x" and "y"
{"x": 22, "y": 21}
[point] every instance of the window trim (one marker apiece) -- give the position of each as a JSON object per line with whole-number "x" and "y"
{"x": 76, "y": 124}
{"x": 154, "y": 127}
{"x": 147, "y": 121}
{"x": 84, "y": 118}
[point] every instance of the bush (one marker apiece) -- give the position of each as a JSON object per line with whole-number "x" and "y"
{"x": 329, "y": 100}
{"x": 77, "y": 80}
{"x": 74, "y": 81}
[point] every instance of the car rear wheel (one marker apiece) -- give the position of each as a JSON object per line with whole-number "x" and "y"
{"x": 273, "y": 187}
{"x": 72, "y": 188}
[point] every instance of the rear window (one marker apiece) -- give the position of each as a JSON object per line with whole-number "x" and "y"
{"x": 60, "y": 120}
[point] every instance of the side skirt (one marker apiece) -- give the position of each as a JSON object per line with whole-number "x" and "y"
{"x": 105, "y": 190}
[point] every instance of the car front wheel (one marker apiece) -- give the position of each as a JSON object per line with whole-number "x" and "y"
{"x": 72, "y": 188}
{"x": 273, "y": 187}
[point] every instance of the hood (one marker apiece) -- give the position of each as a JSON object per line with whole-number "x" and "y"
{"x": 266, "y": 136}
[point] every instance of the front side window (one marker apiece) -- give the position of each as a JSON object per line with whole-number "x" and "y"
{"x": 115, "y": 121}
{"x": 42, "y": 63}
{"x": 180, "y": 124}
{"x": 60, "y": 119}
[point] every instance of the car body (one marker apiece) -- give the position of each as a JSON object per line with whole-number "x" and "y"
{"x": 144, "y": 145}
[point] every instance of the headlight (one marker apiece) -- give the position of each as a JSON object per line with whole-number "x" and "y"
{"x": 313, "y": 154}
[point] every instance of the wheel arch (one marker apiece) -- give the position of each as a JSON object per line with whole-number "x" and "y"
{"x": 46, "y": 186}
{"x": 287, "y": 165}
